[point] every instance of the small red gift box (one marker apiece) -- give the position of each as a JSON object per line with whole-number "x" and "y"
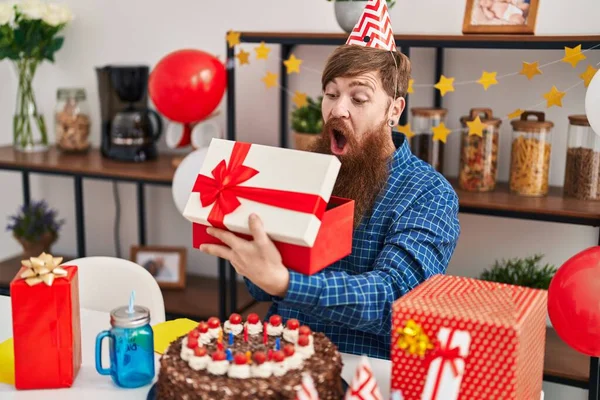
{"x": 46, "y": 325}
{"x": 290, "y": 190}
{"x": 464, "y": 338}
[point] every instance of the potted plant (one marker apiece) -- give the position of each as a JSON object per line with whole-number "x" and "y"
{"x": 28, "y": 36}
{"x": 35, "y": 227}
{"x": 307, "y": 123}
{"x": 527, "y": 272}
{"x": 347, "y": 12}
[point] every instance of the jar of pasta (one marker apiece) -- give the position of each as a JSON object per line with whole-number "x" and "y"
{"x": 72, "y": 120}
{"x": 582, "y": 170}
{"x": 530, "y": 155}
{"x": 422, "y": 143}
{"x": 479, "y": 152}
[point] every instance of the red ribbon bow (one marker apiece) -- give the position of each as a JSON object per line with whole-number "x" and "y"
{"x": 447, "y": 355}
{"x": 223, "y": 190}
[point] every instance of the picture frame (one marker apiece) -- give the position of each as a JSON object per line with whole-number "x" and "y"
{"x": 500, "y": 16}
{"x": 167, "y": 264}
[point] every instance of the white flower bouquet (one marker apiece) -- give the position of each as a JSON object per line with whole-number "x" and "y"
{"x": 29, "y": 34}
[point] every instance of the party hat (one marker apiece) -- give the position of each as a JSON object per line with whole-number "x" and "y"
{"x": 374, "y": 28}
{"x": 363, "y": 386}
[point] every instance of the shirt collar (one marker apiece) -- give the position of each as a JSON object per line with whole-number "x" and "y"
{"x": 402, "y": 153}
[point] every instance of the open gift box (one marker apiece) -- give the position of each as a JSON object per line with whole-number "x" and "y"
{"x": 290, "y": 190}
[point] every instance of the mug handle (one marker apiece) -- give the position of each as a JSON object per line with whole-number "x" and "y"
{"x": 99, "y": 338}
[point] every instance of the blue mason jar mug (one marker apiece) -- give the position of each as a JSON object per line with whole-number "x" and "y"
{"x": 131, "y": 347}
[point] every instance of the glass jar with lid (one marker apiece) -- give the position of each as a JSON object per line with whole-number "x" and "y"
{"x": 422, "y": 144}
{"x": 582, "y": 170}
{"x": 478, "y": 165}
{"x": 72, "y": 120}
{"x": 530, "y": 154}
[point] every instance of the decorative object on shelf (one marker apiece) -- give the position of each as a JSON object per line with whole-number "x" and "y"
{"x": 187, "y": 86}
{"x": 167, "y": 264}
{"x": 592, "y": 102}
{"x": 530, "y": 155}
{"x": 478, "y": 167}
{"x": 185, "y": 177}
{"x": 306, "y": 121}
{"x": 35, "y": 226}
{"x": 128, "y": 133}
{"x": 573, "y": 299}
{"x": 424, "y": 143}
{"x": 527, "y": 272}
{"x": 72, "y": 120}
{"x": 29, "y": 35}
{"x": 511, "y": 16}
{"x": 582, "y": 168}
{"x": 199, "y": 137}
{"x": 347, "y": 12}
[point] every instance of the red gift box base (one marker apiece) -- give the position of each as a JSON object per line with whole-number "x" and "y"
{"x": 333, "y": 242}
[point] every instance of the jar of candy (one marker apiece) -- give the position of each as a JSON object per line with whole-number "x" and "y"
{"x": 478, "y": 166}
{"x": 582, "y": 170}
{"x": 72, "y": 120}
{"x": 422, "y": 144}
{"x": 530, "y": 155}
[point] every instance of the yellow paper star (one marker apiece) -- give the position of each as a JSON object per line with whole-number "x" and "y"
{"x": 300, "y": 99}
{"x": 243, "y": 56}
{"x": 516, "y": 114}
{"x": 573, "y": 55}
{"x": 588, "y": 75}
{"x": 270, "y": 79}
{"x": 293, "y": 64}
{"x": 445, "y": 85}
{"x": 488, "y": 79}
{"x": 233, "y": 38}
{"x": 530, "y": 69}
{"x": 262, "y": 51}
{"x": 440, "y": 132}
{"x": 476, "y": 127}
{"x": 554, "y": 97}
{"x": 405, "y": 129}
{"x": 410, "y": 86}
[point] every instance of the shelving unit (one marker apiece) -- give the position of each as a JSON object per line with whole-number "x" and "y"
{"x": 563, "y": 365}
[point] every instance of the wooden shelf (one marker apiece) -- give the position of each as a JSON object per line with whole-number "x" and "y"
{"x": 561, "y": 361}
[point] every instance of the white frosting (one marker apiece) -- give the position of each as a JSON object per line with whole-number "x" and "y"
{"x": 263, "y": 370}
{"x": 295, "y": 361}
{"x": 198, "y": 363}
{"x": 218, "y": 367}
{"x": 214, "y": 333}
{"x": 186, "y": 352}
{"x": 254, "y": 329}
{"x": 205, "y": 338}
{"x": 235, "y": 328}
{"x": 239, "y": 371}
{"x": 274, "y": 330}
{"x": 308, "y": 350}
{"x": 280, "y": 368}
{"x": 290, "y": 335}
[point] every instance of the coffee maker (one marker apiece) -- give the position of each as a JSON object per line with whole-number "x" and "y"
{"x": 128, "y": 133}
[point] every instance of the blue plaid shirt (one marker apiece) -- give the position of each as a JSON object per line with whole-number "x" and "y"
{"x": 410, "y": 236}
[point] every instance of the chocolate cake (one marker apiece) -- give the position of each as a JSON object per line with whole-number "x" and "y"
{"x": 232, "y": 361}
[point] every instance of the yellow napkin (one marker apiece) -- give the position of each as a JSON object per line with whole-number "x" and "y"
{"x": 7, "y": 362}
{"x": 168, "y": 331}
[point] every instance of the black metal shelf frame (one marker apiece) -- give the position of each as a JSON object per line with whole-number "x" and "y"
{"x": 404, "y": 44}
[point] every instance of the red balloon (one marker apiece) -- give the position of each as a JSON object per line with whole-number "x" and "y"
{"x": 574, "y": 302}
{"x": 187, "y": 85}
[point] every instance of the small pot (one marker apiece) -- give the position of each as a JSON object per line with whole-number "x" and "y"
{"x": 34, "y": 249}
{"x": 347, "y": 13}
{"x": 303, "y": 141}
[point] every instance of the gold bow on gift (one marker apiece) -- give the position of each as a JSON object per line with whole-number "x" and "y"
{"x": 413, "y": 339}
{"x": 43, "y": 268}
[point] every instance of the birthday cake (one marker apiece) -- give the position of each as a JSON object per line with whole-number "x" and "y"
{"x": 249, "y": 360}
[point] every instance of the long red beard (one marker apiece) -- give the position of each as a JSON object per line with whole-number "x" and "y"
{"x": 364, "y": 168}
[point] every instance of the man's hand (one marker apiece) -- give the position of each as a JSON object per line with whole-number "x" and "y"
{"x": 258, "y": 259}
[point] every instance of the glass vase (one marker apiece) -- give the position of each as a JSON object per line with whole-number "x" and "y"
{"x": 30, "y": 133}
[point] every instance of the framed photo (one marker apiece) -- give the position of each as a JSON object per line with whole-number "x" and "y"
{"x": 500, "y": 16}
{"x": 166, "y": 264}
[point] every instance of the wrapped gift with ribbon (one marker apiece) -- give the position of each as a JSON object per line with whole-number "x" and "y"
{"x": 46, "y": 323}
{"x": 464, "y": 338}
{"x": 290, "y": 190}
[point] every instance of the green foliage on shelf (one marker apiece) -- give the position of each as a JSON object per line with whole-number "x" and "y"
{"x": 308, "y": 119}
{"x": 526, "y": 272}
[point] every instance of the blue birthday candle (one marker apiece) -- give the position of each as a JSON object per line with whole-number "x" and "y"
{"x": 277, "y": 344}
{"x": 229, "y": 355}
{"x": 231, "y": 338}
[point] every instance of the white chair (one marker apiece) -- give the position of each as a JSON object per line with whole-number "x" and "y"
{"x": 105, "y": 283}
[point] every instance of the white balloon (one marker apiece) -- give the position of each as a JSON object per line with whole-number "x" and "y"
{"x": 204, "y": 132}
{"x": 185, "y": 177}
{"x": 592, "y": 103}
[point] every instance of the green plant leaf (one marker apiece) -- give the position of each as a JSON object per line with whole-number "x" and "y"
{"x": 521, "y": 272}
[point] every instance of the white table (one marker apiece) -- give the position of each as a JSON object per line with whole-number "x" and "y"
{"x": 90, "y": 385}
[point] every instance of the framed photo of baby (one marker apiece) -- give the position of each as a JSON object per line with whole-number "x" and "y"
{"x": 500, "y": 16}
{"x": 166, "y": 264}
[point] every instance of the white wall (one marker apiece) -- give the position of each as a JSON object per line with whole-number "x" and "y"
{"x": 138, "y": 31}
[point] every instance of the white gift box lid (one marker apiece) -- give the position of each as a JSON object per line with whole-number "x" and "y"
{"x": 279, "y": 169}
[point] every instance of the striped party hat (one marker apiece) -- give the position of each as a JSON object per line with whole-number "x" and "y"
{"x": 374, "y": 28}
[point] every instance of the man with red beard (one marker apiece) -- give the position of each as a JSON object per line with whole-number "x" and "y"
{"x": 406, "y": 214}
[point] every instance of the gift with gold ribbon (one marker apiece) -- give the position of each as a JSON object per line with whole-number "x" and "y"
{"x": 46, "y": 323}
